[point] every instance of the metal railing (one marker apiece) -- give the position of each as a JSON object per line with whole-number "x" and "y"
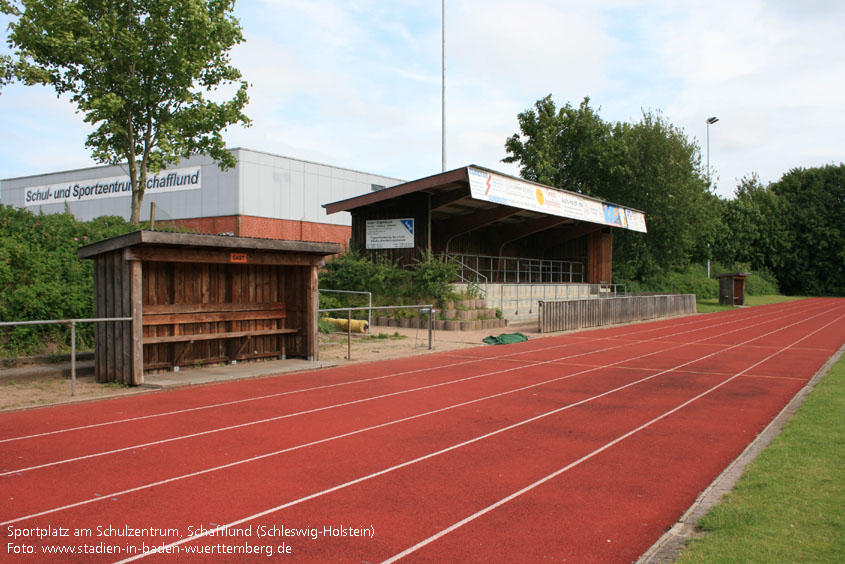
{"x": 72, "y": 323}
{"x": 465, "y": 272}
{"x": 423, "y": 309}
{"x": 369, "y": 301}
{"x": 609, "y": 290}
{"x": 516, "y": 270}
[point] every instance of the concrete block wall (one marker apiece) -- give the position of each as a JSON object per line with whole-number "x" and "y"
{"x": 518, "y": 302}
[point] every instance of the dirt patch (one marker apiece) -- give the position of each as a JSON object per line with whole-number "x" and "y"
{"x": 395, "y": 342}
{"x": 49, "y": 390}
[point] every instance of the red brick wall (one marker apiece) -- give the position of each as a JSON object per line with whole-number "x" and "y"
{"x": 268, "y": 228}
{"x": 211, "y": 225}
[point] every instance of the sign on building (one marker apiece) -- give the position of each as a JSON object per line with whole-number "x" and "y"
{"x": 390, "y": 233}
{"x": 113, "y": 187}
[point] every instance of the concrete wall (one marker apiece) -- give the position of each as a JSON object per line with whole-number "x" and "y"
{"x": 518, "y": 302}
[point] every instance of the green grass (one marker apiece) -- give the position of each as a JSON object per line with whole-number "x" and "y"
{"x": 789, "y": 506}
{"x": 711, "y": 305}
{"x": 382, "y": 336}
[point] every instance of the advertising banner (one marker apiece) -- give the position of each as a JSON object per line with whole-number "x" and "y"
{"x": 525, "y": 195}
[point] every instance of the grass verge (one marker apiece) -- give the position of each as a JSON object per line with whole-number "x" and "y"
{"x": 711, "y": 305}
{"x": 789, "y": 505}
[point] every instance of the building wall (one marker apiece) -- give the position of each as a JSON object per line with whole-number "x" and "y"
{"x": 287, "y": 193}
{"x": 269, "y": 228}
{"x": 284, "y": 188}
{"x": 413, "y": 206}
{"x": 216, "y": 197}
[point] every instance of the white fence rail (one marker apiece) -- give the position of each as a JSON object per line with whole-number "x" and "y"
{"x": 580, "y": 314}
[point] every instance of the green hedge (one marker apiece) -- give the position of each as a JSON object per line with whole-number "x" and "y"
{"x": 427, "y": 280}
{"x": 42, "y": 278}
{"x": 694, "y": 280}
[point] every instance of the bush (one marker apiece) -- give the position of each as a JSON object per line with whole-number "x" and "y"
{"x": 694, "y": 281}
{"x": 427, "y": 280}
{"x": 41, "y": 277}
{"x": 325, "y": 326}
{"x": 761, "y": 283}
{"x": 353, "y": 271}
{"x": 691, "y": 281}
{"x": 432, "y": 278}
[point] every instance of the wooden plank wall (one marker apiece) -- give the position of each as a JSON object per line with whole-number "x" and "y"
{"x": 410, "y": 206}
{"x": 726, "y": 290}
{"x": 600, "y": 257}
{"x": 113, "y": 339}
{"x": 579, "y": 314}
{"x": 203, "y": 283}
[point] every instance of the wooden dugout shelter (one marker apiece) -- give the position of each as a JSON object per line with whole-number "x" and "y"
{"x": 732, "y": 288}
{"x": 197, "y": 299}
{"x": 473, "y": 211}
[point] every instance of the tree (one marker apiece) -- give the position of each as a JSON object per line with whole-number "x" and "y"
{"x": 5, "y": 70}
{"x": 565, "y": 148}
{"x": 6, "y": 62}
{"x": 649, "y": 165}
{"x": 140, "y": 71}
{"x": 813, "y": 203}
{"x": 655, "y": 168}
{"x": 753, "y": 231}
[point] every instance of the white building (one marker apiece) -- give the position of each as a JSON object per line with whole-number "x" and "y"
{"x": 263, "y": 195}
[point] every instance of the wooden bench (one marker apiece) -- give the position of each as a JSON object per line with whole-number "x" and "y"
{"x": 178, "y": 315}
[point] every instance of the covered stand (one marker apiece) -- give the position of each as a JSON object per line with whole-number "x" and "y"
{"x": 500, "y": 228}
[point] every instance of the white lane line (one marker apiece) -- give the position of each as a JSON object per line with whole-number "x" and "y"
{"x": 359, "y": 431}
{"x": 316, "y": 388}
{"x": 344, "y": 404}
{"x": 103, "y": 497}
{"x": 286, "y": 416}
{"x": 442, "y": 451}
{"x": 584, "y": 458}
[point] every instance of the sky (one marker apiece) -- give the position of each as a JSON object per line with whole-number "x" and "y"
{"x": 357, "y": 83}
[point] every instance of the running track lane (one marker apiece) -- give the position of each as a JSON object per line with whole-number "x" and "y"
{"x": 55, "y": 472}
{"x": 654, "y": 472}
{"x": 132, "y": 410}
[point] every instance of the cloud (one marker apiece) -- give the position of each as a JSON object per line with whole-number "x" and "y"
{"x": 357, "y": 83}
{"x": 772, "y": 75}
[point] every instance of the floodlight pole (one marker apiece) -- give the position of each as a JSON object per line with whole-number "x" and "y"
{"x": 443, "y": 84}
{"x": 709, "y": 121}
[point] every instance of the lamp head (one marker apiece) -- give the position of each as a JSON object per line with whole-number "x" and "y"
{"x": 712, "y": 120}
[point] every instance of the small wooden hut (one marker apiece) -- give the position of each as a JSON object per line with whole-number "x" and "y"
{"x": 197, "y": 299}
{"x": 732, "y": 288}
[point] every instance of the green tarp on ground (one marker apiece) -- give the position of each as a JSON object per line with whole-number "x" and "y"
{"x": 505, "y": 339}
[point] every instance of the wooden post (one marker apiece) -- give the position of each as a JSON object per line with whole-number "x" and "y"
{"x": 136, "y": 269}
{"x": 310, "y": 328}
{"x": 100, "y": 344}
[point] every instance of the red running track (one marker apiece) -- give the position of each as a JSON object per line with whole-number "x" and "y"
{"x": 582, "y": 447}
